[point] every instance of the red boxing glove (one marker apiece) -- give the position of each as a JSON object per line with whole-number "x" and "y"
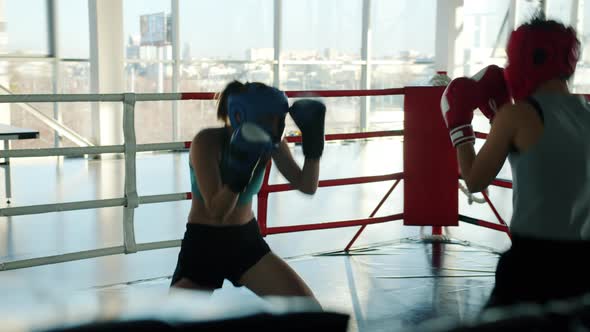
{"x": 458, "y": 101}
{"x": 493, "y": 90}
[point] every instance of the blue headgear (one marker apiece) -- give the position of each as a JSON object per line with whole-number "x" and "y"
{"x": 256, "y": 102}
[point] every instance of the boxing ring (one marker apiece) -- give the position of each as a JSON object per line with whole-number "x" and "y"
{"x": 428, "y": 158}
{"x": 419, "y": 154}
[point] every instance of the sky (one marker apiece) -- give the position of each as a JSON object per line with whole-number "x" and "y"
{"x": 227, "y": 28}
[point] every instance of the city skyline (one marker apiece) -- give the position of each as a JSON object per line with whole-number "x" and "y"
{"x": 406, "y": 25}
{"x": 307, "y": 24}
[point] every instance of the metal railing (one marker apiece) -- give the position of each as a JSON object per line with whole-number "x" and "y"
{"x": 129, "y": 148}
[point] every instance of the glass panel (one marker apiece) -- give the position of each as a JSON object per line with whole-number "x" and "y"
{"x": 485, "y": 34}
{"x": 342, "y": 116}
{"x": 343, "y": 113}
{"x": 196, "y": 115}
{"x": 147, "y": 29}
{"x": 148, "y": 77}
{"x": 72, "y": 19}
{"x": 153, "y": 120}
{"x": 525, "y": 10}
{"x": 386, "y": 113}
{"x": 212, "y": 77}
{"x": 227, "y": 29}
{"x": 582, "y": 78}
{"x": 585, "y": 24}
{"x": 560, "y": 11}
{"x": 75, "y": 78}
{"x": 582, "y": 75}
{"x": 22, "y": 77}
{"x": 23, "y": 27}
{"x": 321, "y": 30}
{"x": 401, "y": 74}
{"x": 403, "y": 29}
{"x": 320, "y": 77}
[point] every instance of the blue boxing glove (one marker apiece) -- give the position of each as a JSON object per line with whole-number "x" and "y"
{"x": 309, "y": 116}
{"x": 248, "y": 145}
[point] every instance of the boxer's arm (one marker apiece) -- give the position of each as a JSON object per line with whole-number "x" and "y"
{"x": 479, "y": 170}
{"x": 304, "y": 180}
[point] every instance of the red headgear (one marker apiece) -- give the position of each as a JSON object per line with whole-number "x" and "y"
{"x": 537, "y": 53}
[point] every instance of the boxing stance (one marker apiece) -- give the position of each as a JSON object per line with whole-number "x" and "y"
{"x": 544, "y": 134}
{"x": 227, "y": 164}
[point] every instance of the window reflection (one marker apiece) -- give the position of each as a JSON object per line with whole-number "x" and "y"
{"x": 75, "y": 78}
{"x": 23, "y": 27}
{"x": 485, "y": 34}
{"x": 72, "y": 20}
{"x": 226, "y": 30}
{"x": 403, "y": 29}
{"x": 321, "y": 30}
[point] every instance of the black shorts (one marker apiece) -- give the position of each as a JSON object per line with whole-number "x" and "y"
{"x": 539, "y": 271}
{"x": 210, "y": 254}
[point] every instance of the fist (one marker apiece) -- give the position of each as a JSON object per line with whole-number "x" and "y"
{"x": 493, "y": 91}
{"x": 458, "y": 101}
